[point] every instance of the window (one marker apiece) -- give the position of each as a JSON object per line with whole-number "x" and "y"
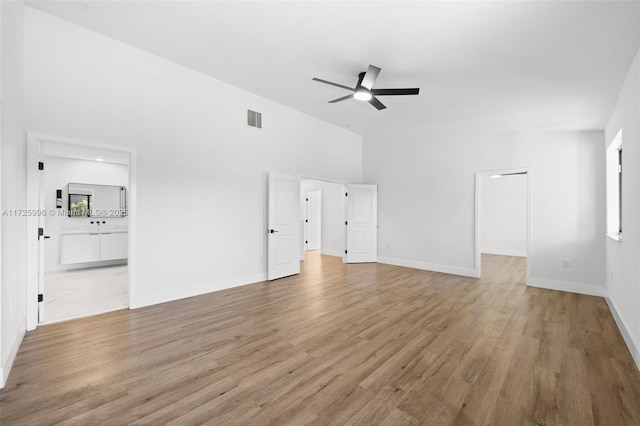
{"x": 614, "y": 188}
{"x": 79, "y": 205}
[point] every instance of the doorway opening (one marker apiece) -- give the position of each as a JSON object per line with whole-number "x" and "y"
{"x": 357, "y": 222}
{"x": 322, "y": 208}
{"x": 80, "y": 264}
{"x": 503, "y": 215}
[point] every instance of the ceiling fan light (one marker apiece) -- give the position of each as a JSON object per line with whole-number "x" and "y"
{"x": 362, "y": 95}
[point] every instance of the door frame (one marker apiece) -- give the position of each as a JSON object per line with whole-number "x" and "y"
{"x": 35, "y": 143}
{"x": 478, "y": 214}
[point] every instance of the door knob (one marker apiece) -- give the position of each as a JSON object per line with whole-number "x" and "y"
{"x": 46, "y": 237}
{"x": 271, "y": 231}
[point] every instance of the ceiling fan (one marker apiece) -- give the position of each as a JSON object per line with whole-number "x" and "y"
{"x": 364, "y": 90}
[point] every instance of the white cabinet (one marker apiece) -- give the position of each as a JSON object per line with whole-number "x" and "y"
{"x": 80, "y": 248}
{"x": 114, "y": 246}
{"x": 93, "y": 247}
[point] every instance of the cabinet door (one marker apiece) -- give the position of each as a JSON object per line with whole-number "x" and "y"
{"x": 80, "y": 248}
{"x": 114, "y": 246}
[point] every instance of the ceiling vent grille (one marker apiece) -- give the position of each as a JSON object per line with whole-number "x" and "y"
{"x": 254, "y": 119}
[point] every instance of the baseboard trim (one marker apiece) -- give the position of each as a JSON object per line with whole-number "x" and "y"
{"x": 500, "y": 252}
{"x": 172, "y": 295}
{"x": 87, "y": 265}
{"x": 5, "y": 368}
{"x": 634, "y": 347}
{"x": 327, "y": 252}
{"x": 93, "y": 314}
{"x": 454, "y": 270}
{"x": 568, "y": 286}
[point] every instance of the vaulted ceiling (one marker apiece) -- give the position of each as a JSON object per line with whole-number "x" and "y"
{"x": 480, "y": 66}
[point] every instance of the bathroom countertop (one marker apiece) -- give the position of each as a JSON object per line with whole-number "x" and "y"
{"x": 93, "y": 230}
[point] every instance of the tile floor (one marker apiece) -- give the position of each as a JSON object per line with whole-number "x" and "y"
{"x": 84, "y": 292}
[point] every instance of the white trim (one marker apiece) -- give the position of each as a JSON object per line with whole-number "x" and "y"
{"x": 634, "y": 347}
{"x": 478, "y": 218}
{"x": 568, "y": 286}
{"x": 503, "y": 252}
{"x": 327, "y": 252}
{"x": 93, "y": 314}
{"x": 132, "y": 221}
{"x": 415, "y": 264}
{"x": 616, "y": 237}
{"x": 205, "y": 288}
{"x": 33, "y": 182}
{"x": 341, "y": 182}
{"x": 34, "y": 144}
{"x": 86, "y": 265}
{"x": 5, "y": 368}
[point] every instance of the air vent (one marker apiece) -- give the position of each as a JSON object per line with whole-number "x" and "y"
{"x": 254, "y": 119}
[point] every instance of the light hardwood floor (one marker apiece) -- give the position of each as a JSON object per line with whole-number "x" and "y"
{"x": 339, "y": 344}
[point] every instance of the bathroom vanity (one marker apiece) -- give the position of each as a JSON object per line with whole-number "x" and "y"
{"x": 93, "y": 245}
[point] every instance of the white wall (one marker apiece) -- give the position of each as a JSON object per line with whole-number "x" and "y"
{"x": 426, "y": 201}
{"x": 623, "y": 257}
{"x": 13, "y": 153}
{"x": 333, "y": 232}
{"x": 59, "y": 172}
{"x": 201, "y": 172}
{"x": 504, "y": 215}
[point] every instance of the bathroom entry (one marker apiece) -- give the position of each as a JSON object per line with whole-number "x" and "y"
{"x": 84, "y": 241}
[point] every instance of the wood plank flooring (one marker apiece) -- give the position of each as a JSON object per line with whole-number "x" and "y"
{"x": 338, "y": 344}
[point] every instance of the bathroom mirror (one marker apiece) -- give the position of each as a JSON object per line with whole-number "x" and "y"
{"x": 90, "y": 200}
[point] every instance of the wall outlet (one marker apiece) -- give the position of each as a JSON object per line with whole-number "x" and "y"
{"x": 566, "y": 262}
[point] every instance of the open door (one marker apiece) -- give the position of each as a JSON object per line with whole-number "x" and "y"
{"x": 362, "y": 223}
{"x": 41, "y": 242}
{"x": 284, "y": 226}
{"x": 314, "y": 220}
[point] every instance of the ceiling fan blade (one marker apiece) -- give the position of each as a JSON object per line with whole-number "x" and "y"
{"x": 370, "y": 77}
{"x": 332, "y": 84}
{"x": 376, "y": 103}
{"x": 390, "y": 92}
{"x": 360, "y": 77}
{"x": 344, "y": 98}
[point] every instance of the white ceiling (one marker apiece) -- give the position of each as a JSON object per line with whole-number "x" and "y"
{"x": 481, "y": 66}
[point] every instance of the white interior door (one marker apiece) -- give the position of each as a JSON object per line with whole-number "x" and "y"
{"x": 284, "y": 226}
{"x": 314, "y": 220}
{"x": 362, "y": 223}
